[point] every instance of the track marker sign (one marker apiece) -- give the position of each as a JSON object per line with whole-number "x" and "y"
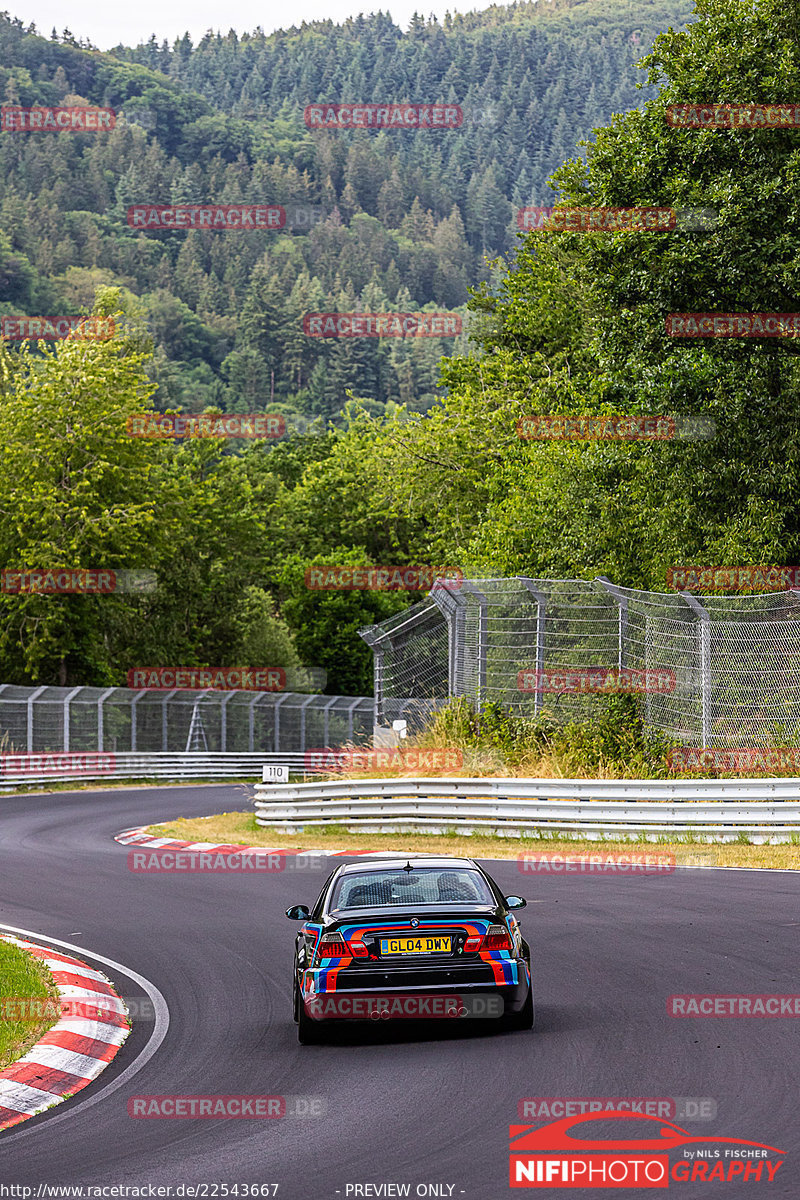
{"x": 275, "y": 773}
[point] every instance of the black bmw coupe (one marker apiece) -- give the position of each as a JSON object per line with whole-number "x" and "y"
{"x": 421, "y": 938}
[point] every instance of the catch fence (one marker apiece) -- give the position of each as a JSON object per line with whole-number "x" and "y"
{"x": 83, "y": 720}
{"x": 719, "y": 671}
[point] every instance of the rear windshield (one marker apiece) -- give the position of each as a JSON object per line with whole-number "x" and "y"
{"x": 425, "y": 885}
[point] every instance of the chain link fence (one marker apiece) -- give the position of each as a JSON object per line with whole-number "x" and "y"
{"x": 87, "y": 720}
{"x": 718, "y": 671}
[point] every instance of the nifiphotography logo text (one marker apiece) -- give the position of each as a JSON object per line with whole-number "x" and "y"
{"x": 623, "y": 1149}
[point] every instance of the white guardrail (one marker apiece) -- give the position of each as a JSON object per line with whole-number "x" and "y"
{"x": 710, "y": 809}
{"x": 53, "y": 767}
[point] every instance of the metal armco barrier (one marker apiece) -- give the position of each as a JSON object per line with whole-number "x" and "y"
{"x": 18, "y": 770}
{"x": 761, "y": 809}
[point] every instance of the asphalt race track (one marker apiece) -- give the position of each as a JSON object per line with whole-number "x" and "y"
{"x": 402, "y": 1105}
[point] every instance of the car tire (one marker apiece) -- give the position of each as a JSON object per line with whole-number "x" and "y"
{"x": 309, "y": 1033}
{"x": 524, "y": 1019}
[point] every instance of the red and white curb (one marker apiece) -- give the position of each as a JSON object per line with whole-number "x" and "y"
{"x": 140, "y": 837}
{"x": 75, "y": 1050}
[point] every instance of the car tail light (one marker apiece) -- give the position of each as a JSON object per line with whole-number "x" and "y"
{"x": 331, "y": 945}
{"x": 497, "y": 938}
{"x": 473, "y": 943}
{"x": 358, "y": 948}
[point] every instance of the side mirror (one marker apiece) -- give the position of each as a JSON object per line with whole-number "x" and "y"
{"x": 298, "y": 912}
{"x": 516, "y": 902}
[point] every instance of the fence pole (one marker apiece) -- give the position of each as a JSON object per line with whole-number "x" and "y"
{"x": 704, "y": 632}
{"x": 67, "y": 699}
{"x": 483, "y": 638}
{"x": 377, "y": 716}
{"x": 326, "y": 721}
{"x": 277, "y": 726}
{"x": 303, "y": 708}
{"x": 622, "y": 606}
{"x": 251, "y": 721}
{"x": 350, "y": 711}
{"x": 164, "y": 729}
{"x": 101, "y": 719}
{"x": 223, "y": 721}
{"x": 541, "y": 616}
{"x": 31, "y": 699}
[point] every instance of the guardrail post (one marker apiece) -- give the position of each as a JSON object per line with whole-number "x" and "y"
{"x": 704, "y": 632}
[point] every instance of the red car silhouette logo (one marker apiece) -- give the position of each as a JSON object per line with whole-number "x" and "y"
{"x": 556, "y": 1136}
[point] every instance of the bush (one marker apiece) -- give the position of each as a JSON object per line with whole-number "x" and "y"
{"x": 612, "y": 742}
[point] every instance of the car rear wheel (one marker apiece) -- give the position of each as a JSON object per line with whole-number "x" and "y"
{"x": 309, "y": 1033}
{"x": 524, "y": 1019}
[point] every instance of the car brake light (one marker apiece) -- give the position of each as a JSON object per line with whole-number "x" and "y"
{"x": 497, "y": 938}
{"x": 358, "y": 948}
{"x": 473, "y": 943}
{"x": 331, "y": 945}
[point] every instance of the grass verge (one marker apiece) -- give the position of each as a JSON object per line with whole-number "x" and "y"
{"x": 22, "y": 977}
{"x": 241, "y": 827}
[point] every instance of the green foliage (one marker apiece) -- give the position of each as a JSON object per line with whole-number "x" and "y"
{"x": 326, "y": 623}
{"x": 406, "y": 216}
{"x": 613, "y": 741}
{"x": 577, "y": 325}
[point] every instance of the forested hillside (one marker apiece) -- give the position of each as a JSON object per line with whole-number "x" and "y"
{"x": 569, "y": 324}
{"x": 403, "y": 220}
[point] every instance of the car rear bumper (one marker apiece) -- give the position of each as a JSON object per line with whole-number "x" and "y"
{"x": 432, "y": 1001}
